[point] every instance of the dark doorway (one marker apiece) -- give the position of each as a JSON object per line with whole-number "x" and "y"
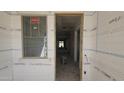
{"x": 68, "y": 47}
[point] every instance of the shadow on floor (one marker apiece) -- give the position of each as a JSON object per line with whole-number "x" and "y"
{"x": 68, "y": 71}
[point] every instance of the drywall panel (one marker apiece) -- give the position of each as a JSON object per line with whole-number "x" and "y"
{"x": 89, "y": 43}
{"x": 5, "y": 20}
{"x": 32, "y": 68}
{"x": 27, "y": 70}
{"x": 5, "y": 47}
{"x": 110, "y": 43}
{"x": 107, "y": 59}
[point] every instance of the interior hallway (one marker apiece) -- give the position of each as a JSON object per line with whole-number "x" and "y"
{"x": 67, "y": 47}
{"x": 68, "y": 71}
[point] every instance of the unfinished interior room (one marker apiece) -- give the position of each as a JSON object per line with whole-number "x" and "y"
{"x": 61, "y": 46}
{"x": 68, "y": 46}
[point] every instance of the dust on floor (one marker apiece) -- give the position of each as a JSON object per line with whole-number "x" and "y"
{"x": 68, "y": 71}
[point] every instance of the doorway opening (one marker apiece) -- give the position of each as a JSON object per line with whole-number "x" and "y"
{"x": 69, "y": 47}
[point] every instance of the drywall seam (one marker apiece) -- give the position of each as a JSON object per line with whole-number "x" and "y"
{"x": 91, "y": 14}
{"x": 9, "y": 29}
{"x": 10, "y": 13}
{"x": 17, "y": 29}
{"x": 93, "y": 29}
{"x": 5, "y": 50}
{"x": 105, "y": 74}
{"x": 5, "y": 67}
{"x": 3, "y": 28}
{"x": 108, "y": 53}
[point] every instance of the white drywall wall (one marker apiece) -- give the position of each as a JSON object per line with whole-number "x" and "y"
{"x": 106, "y": 52}
{"x": 89, "y": 42}
{"x": 33, "y": 69}
{"x": 110, "y": 44}
{"x": 5, "y": 47}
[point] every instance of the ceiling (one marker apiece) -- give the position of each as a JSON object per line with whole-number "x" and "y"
{"x": 67, "y": 23}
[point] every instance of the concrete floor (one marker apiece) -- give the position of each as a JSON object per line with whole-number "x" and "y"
{"x": 68, "y": 71}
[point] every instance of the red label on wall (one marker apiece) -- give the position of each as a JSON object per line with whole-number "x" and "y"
{"x": 35, "y": 20}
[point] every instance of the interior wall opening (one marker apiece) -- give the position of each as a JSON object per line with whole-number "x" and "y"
{"x": 68, "y": 47}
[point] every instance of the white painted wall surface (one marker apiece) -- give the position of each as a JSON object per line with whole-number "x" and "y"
{"x": 89, "y": 42}
{"x": 33, "y": 69}
{"x": 111, "y": 44}
{"x": 5, "y": 47}
{"x": 108, "y": 55}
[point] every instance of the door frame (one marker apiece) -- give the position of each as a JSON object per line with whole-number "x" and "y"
{"x": 81, "y": 39}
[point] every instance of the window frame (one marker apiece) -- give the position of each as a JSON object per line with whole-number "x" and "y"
{"x": 22, "y": 36}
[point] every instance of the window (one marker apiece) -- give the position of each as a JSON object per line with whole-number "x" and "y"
{"x": 34, "y": 36}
